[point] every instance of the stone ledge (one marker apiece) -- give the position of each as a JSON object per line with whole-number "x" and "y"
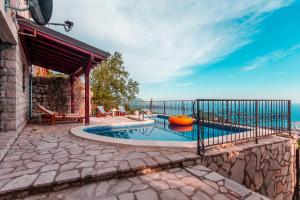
{"x": 169, "y": 184}
{"x": 78, "y": 179}
{"x": 217, "y": 181}
{"x": 244, "y": 145}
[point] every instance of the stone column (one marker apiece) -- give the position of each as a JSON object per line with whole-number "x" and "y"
{"x": 72, "y": 78}
{"x": 8, "y": 80}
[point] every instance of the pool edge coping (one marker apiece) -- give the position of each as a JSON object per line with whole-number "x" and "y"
{"x": 79, "y": 132}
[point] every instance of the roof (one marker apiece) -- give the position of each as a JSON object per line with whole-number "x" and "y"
{"x": 53, "y": 50}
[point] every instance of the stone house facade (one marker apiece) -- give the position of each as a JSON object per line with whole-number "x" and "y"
{"x": 14, "y": 72}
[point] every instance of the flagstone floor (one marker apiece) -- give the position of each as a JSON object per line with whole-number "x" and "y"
{"x": 189, "y": 183}
{"x": 44, "y": 154}
{"x": 48, "y": 158}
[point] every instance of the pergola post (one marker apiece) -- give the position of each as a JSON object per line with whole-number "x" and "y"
{"x": 72, "y": 79}
{"x": 87, "y": 70}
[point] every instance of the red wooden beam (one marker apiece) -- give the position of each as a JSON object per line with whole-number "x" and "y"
{"x": 53, "y": 39}
{"x": 77, "y": 73}
{"x": 58, "y": 59}
{"x": 51, "y": 66}
{"x": 53, "y": 61}
{"x": 57, "y": 47}
{"x": 49, "y": 50}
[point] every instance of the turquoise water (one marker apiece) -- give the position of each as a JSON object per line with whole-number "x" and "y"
{"x": 161, "y": 130}
{"x": 295, "y": 112}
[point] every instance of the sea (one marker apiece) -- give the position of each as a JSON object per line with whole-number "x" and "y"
{"x": 295, "y": 109}
{"x": 296, "y": 112}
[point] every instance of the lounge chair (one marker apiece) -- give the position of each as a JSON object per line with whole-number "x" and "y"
{"x": 55, "y": 116}
{"x": 122, "y": 111}
{"x": 102, "y": 113}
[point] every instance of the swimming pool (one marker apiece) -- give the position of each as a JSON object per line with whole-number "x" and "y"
{"x": 161, "y": 130}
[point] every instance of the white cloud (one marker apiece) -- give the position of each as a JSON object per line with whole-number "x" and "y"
{"x": 162, "y": 39}
{"x": 270, "y": 57}
{"x": 184, "y": 84}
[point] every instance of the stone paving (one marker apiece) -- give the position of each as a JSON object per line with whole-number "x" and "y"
{"x": 188, "y": 183}
{"x": 47, "y": 157}
{"x": 6, "y": 140}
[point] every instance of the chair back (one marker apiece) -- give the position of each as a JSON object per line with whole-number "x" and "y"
{"x": 45, "y": 110}
{"x": 101, "y": 109}
{"x": 122, "y": 109}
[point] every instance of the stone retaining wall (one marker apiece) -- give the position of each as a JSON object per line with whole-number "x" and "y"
{"x": 267, "y": 168}
{"x": 54, "y": 93}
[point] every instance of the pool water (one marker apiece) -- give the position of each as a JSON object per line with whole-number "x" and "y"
{"x": 161, "y": 130}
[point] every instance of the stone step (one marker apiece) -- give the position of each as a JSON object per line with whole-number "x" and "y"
{"x": 186, "y": 183}
{"x": 31, "y": 184}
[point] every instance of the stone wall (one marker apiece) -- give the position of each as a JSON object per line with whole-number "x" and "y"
{"x": 79, "y": 96}
{"x": 267, "y": 168}
{"x": 14, "y": 87}
{"x": 22, "y": 90}
{"x": 54, "y": 93}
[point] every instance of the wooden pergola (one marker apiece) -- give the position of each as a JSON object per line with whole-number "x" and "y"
{"x": 53, "y": 50}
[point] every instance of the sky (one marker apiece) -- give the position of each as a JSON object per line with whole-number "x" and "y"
{"x": 187, "y": 49}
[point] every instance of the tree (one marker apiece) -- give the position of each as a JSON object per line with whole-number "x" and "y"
{"x": 111, "y": 84}
{"x": 40, "y": 71}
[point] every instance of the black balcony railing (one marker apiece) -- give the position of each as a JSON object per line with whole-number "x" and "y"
{"x": 242, "y": 118}
{"x": 174, "y": 107}
{"x": 227, "y": 120}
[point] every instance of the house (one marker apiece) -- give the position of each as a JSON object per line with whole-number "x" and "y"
{"x": 23, "y": 44}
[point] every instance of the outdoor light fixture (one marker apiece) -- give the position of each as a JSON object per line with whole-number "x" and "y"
{"x": 40, "y": 10}
{"x": 68, "y": 25}
{"x": 146, "y": 171}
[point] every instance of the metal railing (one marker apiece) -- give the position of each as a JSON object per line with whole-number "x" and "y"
{"x": 222, "y": 121}
{"x": 173, "y": 107}
{"x": 228, "y": 120}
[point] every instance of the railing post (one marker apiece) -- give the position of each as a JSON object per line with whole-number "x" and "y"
{"x": 182, "y": 107}
{"x": 164, "y": 107}
{"x": 198, "y": 127}
{"x": 289, "y": 117}
{"x": 227, "y": 112}
{"x": 256, "y": 120}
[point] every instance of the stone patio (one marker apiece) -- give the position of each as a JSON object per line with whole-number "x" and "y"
{"x": 6, "y": 140}
{"x": 46, "y": 158}
{"x": 188, "y": 183}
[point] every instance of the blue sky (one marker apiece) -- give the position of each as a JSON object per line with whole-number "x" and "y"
{"x": 197, "y": 49}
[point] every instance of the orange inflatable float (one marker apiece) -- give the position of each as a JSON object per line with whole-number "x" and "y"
{"x": 182, "y": 120}
{"x": 180, "y": 129}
